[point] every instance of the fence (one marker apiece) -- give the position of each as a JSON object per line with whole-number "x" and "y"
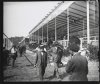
{"x": 93, "y": 39}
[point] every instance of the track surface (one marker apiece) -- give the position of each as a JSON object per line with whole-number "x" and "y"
{"x": 24, "y": 71}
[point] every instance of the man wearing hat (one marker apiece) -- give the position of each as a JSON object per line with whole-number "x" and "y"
{"x": 41, "y": 60}
{"x": 56, "y": 51}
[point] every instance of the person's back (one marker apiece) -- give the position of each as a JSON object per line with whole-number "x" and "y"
{"x": 77, "y": 66}
{"x": 80, "y": 68}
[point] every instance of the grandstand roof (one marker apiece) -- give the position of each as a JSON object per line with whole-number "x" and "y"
{"x": 77, "y": 14}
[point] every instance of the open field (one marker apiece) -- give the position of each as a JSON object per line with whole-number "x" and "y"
{"x": 24, "y": 71}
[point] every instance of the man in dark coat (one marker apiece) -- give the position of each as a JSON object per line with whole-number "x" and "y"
{"x": 22, "y": 50}
{"x": 41, "y": 60}
{"x": 77, "y": 66}
{"x": 56, "y": 52}
{"x": 59, "y": 53}
{"x": 5, "y": 56}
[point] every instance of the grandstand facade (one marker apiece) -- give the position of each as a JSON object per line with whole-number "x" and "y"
{"x": 79, "y": 18}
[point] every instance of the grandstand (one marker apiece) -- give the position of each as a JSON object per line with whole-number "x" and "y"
{"x": 79, "y": 18}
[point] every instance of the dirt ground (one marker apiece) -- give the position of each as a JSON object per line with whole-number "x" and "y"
{"x": 24, "y": 71}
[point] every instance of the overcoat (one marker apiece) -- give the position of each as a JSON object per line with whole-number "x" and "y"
{"x": 77, "y": 67}
{"x": 41, "y": 61}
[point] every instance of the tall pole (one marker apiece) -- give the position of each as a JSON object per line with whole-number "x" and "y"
{"x": 42, "y": 34}
{"x": 67, "y": 26}
{"x": 55, "y": 30}
{"x": 83, "y": 27}
{"x": 47, "y": 32}
{"x": 34, "y": 36}
{"x": 88, "y": 27}
{"x": 38, "y": 36}
{"x": 31, "y": 37}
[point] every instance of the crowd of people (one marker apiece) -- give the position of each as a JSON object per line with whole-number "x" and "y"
{"x": 76, "y": 68}
{"x": 9, "y": 56}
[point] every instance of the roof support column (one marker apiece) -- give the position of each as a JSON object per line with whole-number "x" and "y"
{"x": 35, "y": 36}
{"x": 31, "y": 37}
{"x": 47, "y": 32}
{"x": 38, "y": 36}
{"x": 67, "y": 26}
{"x": 83, "y": 27}
{"x": 55, "y": 30}
{"x": 42, "y": 34}
{"x": 88, "y": 28}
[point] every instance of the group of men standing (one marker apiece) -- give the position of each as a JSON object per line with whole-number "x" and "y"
{"x": 76, "y": 68}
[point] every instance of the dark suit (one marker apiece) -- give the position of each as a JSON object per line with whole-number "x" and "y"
{"x": 77, "y": 67}
{"x": 22, "y": 49}
{"x": 41, "y": 61}
{"x": 57, "y": 53}
{"x": 5, "y": 57}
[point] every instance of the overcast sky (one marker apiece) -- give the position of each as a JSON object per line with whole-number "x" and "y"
{"x": 21, "y": 17}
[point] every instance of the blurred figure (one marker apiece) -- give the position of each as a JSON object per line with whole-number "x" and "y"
{"x": 5, "y": 56}
{"x": 56, "y": 52}
{"x": 22, "y": 49}
{"x": 14, "y": 54}
{"x": 77, "y": 66}
{"x": 49, "y": 43}
{"x": 41, "y": 60}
